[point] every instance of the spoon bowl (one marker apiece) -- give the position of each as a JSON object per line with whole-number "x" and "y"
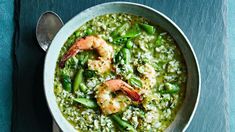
{"x": 49, "y": 23}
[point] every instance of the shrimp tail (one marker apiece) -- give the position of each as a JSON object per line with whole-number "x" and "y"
{"x": 64, "y": 59}
{"x": 62, "y": 64}
{"x": 132, "y": 94}
{"x": 71, "y": 52}
{"x": 125, "y": 88}
{"x": 68, "y": 55}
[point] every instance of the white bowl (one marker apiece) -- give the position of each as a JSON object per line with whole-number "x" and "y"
{"x": 187, "y": 110}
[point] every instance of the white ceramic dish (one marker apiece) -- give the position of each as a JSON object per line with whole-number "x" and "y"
{"x": 187, "y": 110}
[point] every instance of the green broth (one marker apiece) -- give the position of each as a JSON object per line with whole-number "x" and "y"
{"x": 145, "y": 56}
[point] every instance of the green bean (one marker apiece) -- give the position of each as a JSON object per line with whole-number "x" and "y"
{"x": 119, "y": 30}
{"x": 78, "y": 79}
{"x": 122, "y": 124}
{"x": 133, "y": 31}
{"x": 148, "y": 28}
{"x": 135, "y": 81}
{"x": 126, "y": 55}
{"x": 66, "y": 83}
{"x": 83, "y": 87}
{"x": 86, "y": 102}
{"x": 129, "y": 44}
{"x": 170, "y": 88}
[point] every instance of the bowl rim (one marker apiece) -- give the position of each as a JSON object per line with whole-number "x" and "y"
{"x": 47, "y": 57}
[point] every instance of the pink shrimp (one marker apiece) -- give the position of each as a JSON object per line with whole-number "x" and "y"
{"x": 88, "y": 43}
{"x": 110, "y": 104}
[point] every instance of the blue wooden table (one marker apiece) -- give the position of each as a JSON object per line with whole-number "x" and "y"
{"x": 204, "y": 22}
{"x": 231, "y": 54}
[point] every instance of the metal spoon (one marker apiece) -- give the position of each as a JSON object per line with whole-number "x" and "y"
{"x": 48, "y": 25}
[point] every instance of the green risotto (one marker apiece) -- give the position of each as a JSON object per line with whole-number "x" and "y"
{"x": 120, "y": 72}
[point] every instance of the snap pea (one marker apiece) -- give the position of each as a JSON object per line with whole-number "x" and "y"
{"x": 126, "y": 55}
{"x": 123, "y": 56}
{"x": 77, "y": 80}
{"x": 119, "y": 30}
{"x": 83, "y": 87}
{"x": 170, "y": 88}
{"x": 133, "y": 31}
{"x": 66, "y": 83}
{"x": 129, "y": 44}
{"x": 135, "y": 81}
{"x": 86, "y": 102}
{"x": 148, "y": 28}
{"x": 122, "y": 124}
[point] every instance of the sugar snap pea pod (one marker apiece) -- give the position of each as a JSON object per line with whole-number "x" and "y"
{"x": 135, "y": 81}
{"x": 86, "y": 102}
{"x": 66, "y": 83}
{"x": 77, "y": 80}
{"x": 126, "y": 55}
{"x": 122, "y": 124}
{"x": 83, "y": 87}
{"x": 170, "y": 88}
{"x": 119, "y": 30}
{"x": 148, "y": 28}
{"x": 133, "y": 31}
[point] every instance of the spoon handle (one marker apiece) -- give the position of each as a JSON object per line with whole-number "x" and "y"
{"x": 55, "y": 127}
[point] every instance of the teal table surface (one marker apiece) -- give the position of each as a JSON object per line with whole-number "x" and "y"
{"x": 209, "y": 25}
{"x": 231, "y": 54}
{"x": 6, "y": 63}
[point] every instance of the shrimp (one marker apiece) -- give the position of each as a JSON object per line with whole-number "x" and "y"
{"x": 149, "y": 76}
{"x": 101, "y": 65}
{"x": 91, "y": 43}
{"x": 110, "y": 104}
